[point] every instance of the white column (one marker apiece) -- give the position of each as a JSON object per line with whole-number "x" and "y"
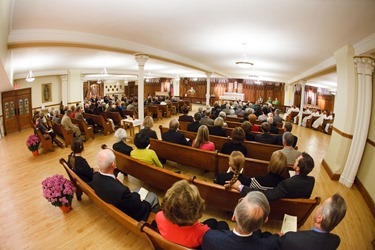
{"x": 208, "y": 88}
{"x": 64, "y": 89}
{"x": 141, "y": 60}
{"x": 176, "y": 87}
{"x": 365, "y": 67}
{"x": 302, "y": 82}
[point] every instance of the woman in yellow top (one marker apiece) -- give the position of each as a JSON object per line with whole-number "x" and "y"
{"x": 142, "y": 153}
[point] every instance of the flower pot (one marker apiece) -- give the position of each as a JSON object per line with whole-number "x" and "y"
{"x": 66, "y": 208}
{"x": 35, "y": 152}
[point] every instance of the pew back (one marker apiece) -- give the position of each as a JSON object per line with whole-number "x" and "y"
{"x": 252, "y": 168}
{"x": 185, "y": 155}
{"x": 99, "y": 120}
{"x": 115, "y": 213}
{"x": 85, "y": 128}
{"x": 63, "y": 133}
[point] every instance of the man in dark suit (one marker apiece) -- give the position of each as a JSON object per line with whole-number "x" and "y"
{"x": 194, "y": 126}
{"x": 173, "y": 136}
{"x": 287, "y": 128}
{"x": 112, "y": 191}
{"x": 327, "y": 217}
{"x": 185, "y": 117}
{"x": 298, "y": 186}
{"x": 250, "y": 214}
{"x": 265, "y": 137}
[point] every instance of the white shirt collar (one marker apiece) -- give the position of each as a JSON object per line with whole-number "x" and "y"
{"x": 241, "y": 235}
{"x": 110, "y": 175}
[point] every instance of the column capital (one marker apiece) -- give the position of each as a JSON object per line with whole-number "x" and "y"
{"x": 208, "y": 74}
{"x": 302, "y": 82}
{"x": 364, "y": 64}
{"x": 141, "y": 59}
{"x": 64, "y": 78}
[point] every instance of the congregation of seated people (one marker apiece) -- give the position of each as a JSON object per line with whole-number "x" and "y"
{"x": 181, "y": 208}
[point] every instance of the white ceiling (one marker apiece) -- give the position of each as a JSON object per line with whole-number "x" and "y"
{"x": 283, "y": 38}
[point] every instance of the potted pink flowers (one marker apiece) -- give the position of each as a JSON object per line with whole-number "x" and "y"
{"x": 59, "y": 191}
{"x": 33, "y": 144}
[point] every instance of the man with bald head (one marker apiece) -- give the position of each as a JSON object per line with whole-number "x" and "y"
{"x": 173, "y": 136}
{"x": 250, "y": 214}
{"x": 327, "y": 216}
{"x": 112, "y": 191}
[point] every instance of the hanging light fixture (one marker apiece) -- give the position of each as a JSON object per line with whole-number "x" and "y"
{"x": 30, "y": 76}
{"x": 244, "y": 61}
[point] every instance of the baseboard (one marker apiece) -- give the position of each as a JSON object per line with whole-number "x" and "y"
{"x": 369, "y": 201}
{"x": 334, "y": 177}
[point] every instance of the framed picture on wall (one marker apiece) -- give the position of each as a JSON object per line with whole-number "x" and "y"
{"x": 46, "y": 92}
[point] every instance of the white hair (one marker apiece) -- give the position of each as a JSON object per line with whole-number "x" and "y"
{"x": 105, "y": 159}
{"x": 120, "y": 134}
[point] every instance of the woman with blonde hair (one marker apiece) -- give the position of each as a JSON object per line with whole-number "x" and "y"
{"x": 202, "y": 141}
{"x": 218, "y": 128}
{"x": 147, "y": 124}
{"x": 277, "y": 171}
{"x": 181, "y": 209}
{"x": 234, "y": 173}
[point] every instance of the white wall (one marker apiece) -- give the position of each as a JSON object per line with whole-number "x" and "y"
{"x": 36, "y": 90}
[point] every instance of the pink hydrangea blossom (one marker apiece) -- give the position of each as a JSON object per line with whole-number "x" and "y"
{"x": 58, "y": 190}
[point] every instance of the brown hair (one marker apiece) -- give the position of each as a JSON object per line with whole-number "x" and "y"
{"x": 238, "y": 135}
{"x": 76, "y": 147}
{"x": 182, "y": 204}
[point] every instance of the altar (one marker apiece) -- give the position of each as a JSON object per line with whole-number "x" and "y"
{"x": 230, "y": 96}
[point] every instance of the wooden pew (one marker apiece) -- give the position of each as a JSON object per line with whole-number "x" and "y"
{"x": 289, "y": 118}
{"x": 252, "y": 168}
{"x": 215, "y": 195}
{"x": 185, "y": 155}
{"x": 46, "y": 141}
{"x": 164, "y": 110}
{"x": 260, "y": 151}
{"x": 302, "y": 208}
{"x": 177, "y": 107}
{"x": 310, "y": 121}
{"x": 233, "y": 119}
{"x": 125, "y": 220}
{"x": 156, "y": 113}
{"x": 155, "y": 176}
{"x": 66, "y": 135}
{"x": 101, "y": 122}
{"x": 85, "y": 128}
{"x": 115, "y": 116}
{"x": 129, "y": 113}
{"x": 232, "y": 124}
{"x": 184, "y": 125}
{"x": 157, "y": 240}
{"x": 255, "y": 150}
